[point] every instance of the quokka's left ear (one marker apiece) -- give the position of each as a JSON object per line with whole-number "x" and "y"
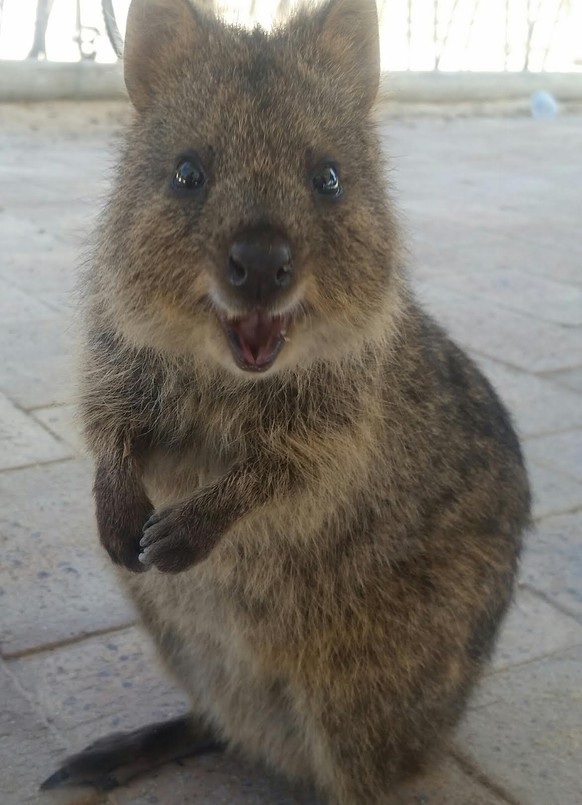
{"x": 350, "y": 37}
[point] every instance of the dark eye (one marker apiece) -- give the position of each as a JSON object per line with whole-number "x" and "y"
{"x": 326, "y": 182}
{"x": 189, "y": 175}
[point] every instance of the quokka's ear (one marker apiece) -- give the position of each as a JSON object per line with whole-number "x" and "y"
{"x": 350, "y": 36}
{"x": 158, "y": 33}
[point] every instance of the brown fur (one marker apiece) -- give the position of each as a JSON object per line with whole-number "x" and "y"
{"x": 358, "y": 507}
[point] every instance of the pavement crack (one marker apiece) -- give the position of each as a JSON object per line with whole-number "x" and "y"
{"x": 68, "y": 641}
{"x": 524, "y": 585}
{"x": 473, "y": 770}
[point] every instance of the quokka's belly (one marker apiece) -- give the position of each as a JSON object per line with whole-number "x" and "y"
{"x": 217, "y": 662}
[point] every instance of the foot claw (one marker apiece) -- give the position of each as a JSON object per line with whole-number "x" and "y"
{"x": 57, "y": 779}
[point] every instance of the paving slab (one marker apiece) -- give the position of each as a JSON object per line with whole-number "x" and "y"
{"x": 28, "y": 746}
{"x": 561, "y": 451}
{"x": 36, "y": 368}
{"x": 39, "y": 264}
{"x": 439, "y": 249}
{"x": 56, "y": 580}
{"x": 553, "y": 491}
{"x": 524, "y": 729}
{"x": 109, "y": 683}
{"x": 211, "y": 780}
{"x": 535, "y": 296}
{"x": 533, "y": 629}
{"x": 446, "y": 784}
{"x": 571, "y": 378}
{"x": 552, "y": 561}
{"x": 60, "y": 420}
{"x": 510, "y": 337}
{"x": 19, "y": 234}
{"x": 25, "y": 441}
{"x": 17, "y": 305}
{"x": 537, "y": 405}
{"x": 226, "y": 780}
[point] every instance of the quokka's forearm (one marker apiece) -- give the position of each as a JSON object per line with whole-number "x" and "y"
{"x": 185, "y": 533}
{"x": 122, "y": 507}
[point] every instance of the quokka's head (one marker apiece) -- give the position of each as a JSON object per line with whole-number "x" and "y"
{"x": 250, "y": 226}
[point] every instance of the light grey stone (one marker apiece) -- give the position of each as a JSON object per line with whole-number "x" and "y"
{"x": 445, "y": 784}
{"x": 561, "y": 451}
{"x": 535, "y": 296}
{"x": 553, "y": 492}
{"x": 47, "y": 276}
{"x": 223, "y": 780}
{"x": 36, "y": 368}
{"x": 524, "y": 729}
{"x": 532, "y": 630}
{"x": 24, "y": 441}
{"x": 486, "y": 209}
{"x": 507, "y": 336}
{"x": 40, "y": 265}
{"x": 571, "y": 379}
{"x": 552, "y": 561}
{"x": 440, "y": 250}
{"x": 29, "y": 749}
{"x": 16, "y": 305}
{"x": 537, "y": 405}
{"x": 211, "y": 780}
{"x": 60, "y": 420}
{"x": 108, "y": 683}
{"x": 56, "y": 580}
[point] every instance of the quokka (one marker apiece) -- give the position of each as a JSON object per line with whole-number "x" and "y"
{"x": 314, "y": 498}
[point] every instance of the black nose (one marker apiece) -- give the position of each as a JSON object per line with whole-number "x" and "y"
{"x": 259, "y": 266}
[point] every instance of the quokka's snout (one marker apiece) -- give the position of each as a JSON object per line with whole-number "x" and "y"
{"x": 256, "y": 296}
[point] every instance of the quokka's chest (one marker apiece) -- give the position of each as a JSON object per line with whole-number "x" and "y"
{"x": 176, "y": 470}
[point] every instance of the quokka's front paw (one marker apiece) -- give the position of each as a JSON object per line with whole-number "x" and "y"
{"x": 122, "y": 507}
{"x": 120, "y": 530}
{"x": 177, "y": 537}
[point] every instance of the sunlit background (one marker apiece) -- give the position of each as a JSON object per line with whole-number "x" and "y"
{"x": 484, "y": 35}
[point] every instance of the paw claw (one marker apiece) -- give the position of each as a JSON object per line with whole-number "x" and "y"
{"x": 148, "y": 538}
{"x": 153, "y": 519}
{"x": 145, "y": 558}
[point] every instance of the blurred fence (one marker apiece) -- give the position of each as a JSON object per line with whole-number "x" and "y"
{"x": 418, "y": 35}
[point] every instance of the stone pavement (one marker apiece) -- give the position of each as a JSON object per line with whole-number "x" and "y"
{"x": 492, "y": 207}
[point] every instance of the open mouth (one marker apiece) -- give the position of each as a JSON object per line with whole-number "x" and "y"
{"x": 256, "y": 340}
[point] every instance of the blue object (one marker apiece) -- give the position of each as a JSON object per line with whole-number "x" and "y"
{"x": 543, "y": 104}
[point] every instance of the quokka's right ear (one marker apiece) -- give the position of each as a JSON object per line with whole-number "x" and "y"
{"x": 159, "y": 34}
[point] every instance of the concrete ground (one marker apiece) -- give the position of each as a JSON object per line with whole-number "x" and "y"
{"x": 492, "y": 208}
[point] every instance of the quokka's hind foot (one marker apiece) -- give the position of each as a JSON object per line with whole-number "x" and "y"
{"x": 114, "y": 760}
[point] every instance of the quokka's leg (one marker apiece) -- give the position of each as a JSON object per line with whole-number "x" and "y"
{"x": 114, "y": 760}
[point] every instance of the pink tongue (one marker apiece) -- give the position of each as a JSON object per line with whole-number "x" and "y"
{"x": 257, "y": 334}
